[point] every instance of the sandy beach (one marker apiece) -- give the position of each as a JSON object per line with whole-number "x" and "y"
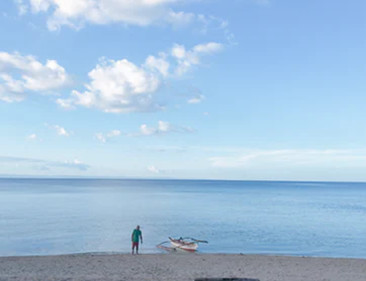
{"x": 180, "y": 267}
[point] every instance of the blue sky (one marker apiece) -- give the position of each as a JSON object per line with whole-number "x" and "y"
{"x": 241, "y": 89}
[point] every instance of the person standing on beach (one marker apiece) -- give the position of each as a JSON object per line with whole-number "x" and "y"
{"x": 135, "y": 238}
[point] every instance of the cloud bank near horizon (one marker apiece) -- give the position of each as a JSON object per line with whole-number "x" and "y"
{"x": 290, "y": 158}
{"x": 45, "y": 165}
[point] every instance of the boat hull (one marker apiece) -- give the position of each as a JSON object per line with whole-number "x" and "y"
{"x": 189, "y": 247}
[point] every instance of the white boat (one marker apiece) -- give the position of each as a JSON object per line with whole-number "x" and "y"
{"x": 183, "y": 244}
{"x": 186, "y": 244}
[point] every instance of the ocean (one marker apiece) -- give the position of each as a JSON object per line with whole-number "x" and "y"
{"x": 62, "y": 216}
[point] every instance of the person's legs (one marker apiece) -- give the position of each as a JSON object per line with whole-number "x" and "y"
{"x": 135, "y": 245}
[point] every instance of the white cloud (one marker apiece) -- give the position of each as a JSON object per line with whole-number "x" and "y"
{"x": 22, "y": 8}
{"x": 77, "y": 164}
{"x": 153, "y": 169}
{"x": 20, "y": 75}
{"x": 61, "y": 131}
{"x": 186, "y": 59}
{"x": 32, "y": 137}
{"x": 100, "y": 137}
{"x": 104, "y": 137}
{"x": 159, "y": 64}
{"x": 75, "y": 13}
{"x": 208, "y": 48}
{"x": 120, "y": 86}
{"x": 162, "y": 128}
{"x": 197, "y": 99}
{"x": 40, "y": 164}
{"x": 291, "y": 158}
{"x": 114, "y": 133}
{"x": 65, "y": 103}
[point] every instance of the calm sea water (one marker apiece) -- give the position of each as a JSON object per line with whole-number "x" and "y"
{"x": 53, "y": 216}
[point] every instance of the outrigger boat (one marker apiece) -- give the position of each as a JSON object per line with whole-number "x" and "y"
{"x": 187, "y": 244}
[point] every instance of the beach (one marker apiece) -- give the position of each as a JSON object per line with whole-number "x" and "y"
{"x": 183, "y": 267}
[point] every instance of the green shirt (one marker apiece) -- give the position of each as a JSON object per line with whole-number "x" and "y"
{"x": 136, "y": 235}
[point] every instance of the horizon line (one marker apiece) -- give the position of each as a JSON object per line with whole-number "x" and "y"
{"x": 68, "y": 177}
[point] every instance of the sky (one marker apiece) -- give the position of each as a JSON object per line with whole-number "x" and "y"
{"x": 183, "y": 89}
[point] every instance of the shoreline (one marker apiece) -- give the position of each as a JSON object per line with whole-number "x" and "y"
{"x": 151, "y": 267}
{"x": 182, "y": 253}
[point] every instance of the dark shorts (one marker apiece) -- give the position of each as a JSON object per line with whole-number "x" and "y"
{"x": 135, "y": 244}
